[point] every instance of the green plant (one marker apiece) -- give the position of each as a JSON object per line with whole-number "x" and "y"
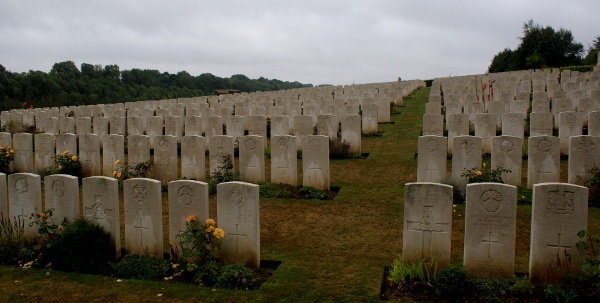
{"x": 83, "y": 247}
{"x": 339, "y": 149}
{"x": 561, "y": 280}
{"x": 199, "y": 242}
{"x": 521, "y": 287}
{"x": 451, "y": 282}
{"x": 235, "y": 276}
{"x": 7, "y": 155}
{"x": 14, "y": 127}
{"x": 124, "y": 172}
{"x": 67, "y": 163}
{"x": 12, "y": 240}
{"x": 225, "y": 173}
{"x": 407, "y": 275}
{"x": 493, "y": 288}
{"x": 313, "y": 193}
{"x": 486, "y": 174}
{"x": 591, "y": 266}
{"x": 143, "y": 268}
{"x": 524, "y": 195}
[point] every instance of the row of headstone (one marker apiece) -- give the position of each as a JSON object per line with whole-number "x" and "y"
{"x": 237, "y": 210}
{"x": 166, "y": 166}
{"x": 559, "y": 212}
{"x": 570, "y": 124}
{"x": 543, "y": 161}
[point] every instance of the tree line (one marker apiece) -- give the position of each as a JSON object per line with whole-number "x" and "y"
{"x": 67, "y": 85}
{"x": 544, "y": 47}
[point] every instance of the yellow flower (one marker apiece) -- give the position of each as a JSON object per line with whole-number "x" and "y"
{"x": 1, "y": 147}
{"x": 210, "y": 228}
{"x": 74, "y": 158}
{"x": 59, "y": 167}
{"x": 114, "y": 173}
{"x": 66, "y": 152}
{"x": 117, "y": 162}
{"x": 210, "y": 222}
{"x": 12, "y": 151}
{"x": 42, "y": 215}
{"x": 477, "y": 172}
{"x": 484, "y": 165}
{"x": 190, "y": 218}
{"x": 219, "y": 233}
{"x": 119, "y": 175}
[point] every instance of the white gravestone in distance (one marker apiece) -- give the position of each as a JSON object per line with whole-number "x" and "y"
{"x": 315, "y": 162}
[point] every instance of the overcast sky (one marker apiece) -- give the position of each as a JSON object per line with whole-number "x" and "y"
{"x": 318, "y": 42}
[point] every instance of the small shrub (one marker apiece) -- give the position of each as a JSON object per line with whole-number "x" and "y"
{"x": 591, "y": 266}
{"x": 561, "y": 281}
{"x": 67, "y": 163}
{"x": 493, "y": 288}
{"x": 339, "y": 149}
{"x": 14, "y": 127}
{"x": 407, "y": 275}
{"x": 594, "y": 187}
{"x": 224, "y": 174}
{"x": 12, "y": 240}
{"x": 524, "y": 195}
{"x": 143, "y": 268}
{"x": 521, "y": 287}
{"x": 84, "y": 247}
{"x": 7, "y": 155}
{"x": 313, "y": 193}
{"x": 451, "y": 282}
{"x": 486, "y": 174}
{"x": 124, "y": 172}
{"x": 236, "y": 276}
{"x": 199, "y": 242}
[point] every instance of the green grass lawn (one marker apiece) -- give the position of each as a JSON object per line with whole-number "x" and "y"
{"x": 330, "y": 250}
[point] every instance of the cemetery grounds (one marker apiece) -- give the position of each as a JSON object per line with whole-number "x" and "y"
{"x": 331, "y": 251}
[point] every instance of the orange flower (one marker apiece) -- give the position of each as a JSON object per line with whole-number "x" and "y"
{"x": 210, "y": 222}
{"x": 190, "y": 218}
{"x": 42, "y": 215}
{"x": 210, "y": 228}
{"x": 74, "y": 158}
{"x": 477, "y": 172}
{"x": 219, "y": 233}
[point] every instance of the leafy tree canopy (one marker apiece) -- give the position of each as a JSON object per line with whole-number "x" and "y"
{"x": 539, "y": 47}
{"x": 92, "y": 84}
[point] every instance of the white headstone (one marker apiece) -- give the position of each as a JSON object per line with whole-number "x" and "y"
{"x": 507, "y": 152}
{"x": 186, "y": 198}
{"x": 431, "y": 166}
{"x": 427, "y": 229}
{"x": 559, "y": 212}
{"x": 543, "y": 160}
{"x": 193, "y": 158}
{"x": 113, "y": 149}
{"x": 24, "y": 199}
{"x": 143, "y": 217}
{"x": 252, "y": 159}
{"x": 490, "y": 230}
{"x": 62, "y": 194}
{"x": 315, "y": 162}
{"x": 239, "y": 216}
{"x": 284, "y": 162}
{"x": 165, "y": 159}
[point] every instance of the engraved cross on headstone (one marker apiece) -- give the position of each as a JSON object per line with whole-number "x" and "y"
{"x": 489, "y": 242}
{"x": 141, "y": 228}
{"x": 558, "y": 246}
{"x": 427, "y": 226}
{"x": 431, "y": 171}
{"x": 281, "y": 168}
{"x": 585, "y": 172}
{"x": 312, "y": 173}
{"x": 237, "y": 237}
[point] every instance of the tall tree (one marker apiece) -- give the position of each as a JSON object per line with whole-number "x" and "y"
{"x": 592, "y": 55}
{"x": 540, "y": 47}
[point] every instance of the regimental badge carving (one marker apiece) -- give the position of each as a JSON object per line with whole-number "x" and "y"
{"x": 112, "y": 142}
{"x": 458, "y": 120}
{"x": 544, "y": 146}
{"x": 163, "y": 143}
{"x": 282, "y": 144}
{"x": 507, "y": 146}
{"x": 513, "y": 119}
{"x": 586, "y": 145}
{"x": 491, "y": 200}
{"x": 467, "y": 145}
{"x": 192, "y": 121}
{"x": 236, "y": 198}
{"x": 432, "y": 145}
{"x": 186, "y": 195}
{"x": 485, "y": 120}
{"x": 250, "y": 144}
{"x": 139, "y": 193}
{"x": 21, "y": 185}
{"x": 561, "y": 202}
{"x": 58, "y": 187}
{"x": 314, "y": 144}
